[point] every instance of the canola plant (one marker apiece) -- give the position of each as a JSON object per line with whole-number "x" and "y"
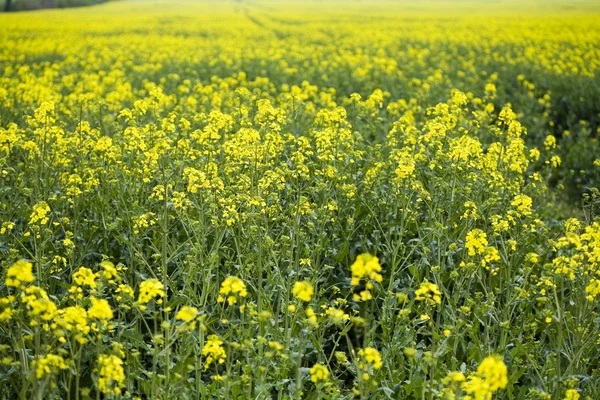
{"x": 300, "y": 200}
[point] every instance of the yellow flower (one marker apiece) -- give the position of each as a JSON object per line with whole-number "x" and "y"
{"x": 186, "y": 314}
{"x": 124, "y": 290}
{"x": 19, "y": 273}
{"x": 593, "y": 289}
{"x": 491, "y": 376}
{"x": 85, "y": 277}
{"x": 213, "y": 351}
{"x": 149, "y": 289}
{"x": 476, "y": 388}
{"x": 475, "y": 242}
{"x": 7, "y": 312}
{"x": 550, "y": 142}
{"x": 303, "y": 290}
{"x": 39, "y": 216}
{"x": 311, "y": 316}
{"x": 111, "y": 375}
{"x": 522, "y": 203}
{"x": 73, "y": 319}
{"x": 100, "y": 309}
{"x": 572, "y": 394}
{"x": 232, "y": 287}
{"x": 428, "y": 291}
{"x": 51, "y": 363}
{"x": 109, "y": 270}
{"x": 455, "y": 376}
{"x": 319, "y": 373}
{"x": 336, "y": 315}
{"x": 367, "y": 267}
{"x": 371, "y": 355}
{"x": 39, "y": 304}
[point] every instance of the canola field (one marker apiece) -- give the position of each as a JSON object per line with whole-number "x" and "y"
{"x": 300, "y": 200}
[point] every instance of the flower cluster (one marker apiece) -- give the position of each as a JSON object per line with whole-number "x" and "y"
{"x": 233, "y": 288}
{"x": 366, "y": 268}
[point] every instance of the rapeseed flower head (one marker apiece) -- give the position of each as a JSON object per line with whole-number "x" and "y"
{"x": 85, "y": 277}
{"x": 49, "y": 364}
{"x": 475, "y": 242}
{"x": 19, "y": 273}
{"x": 366, "y": 266}
{"x": 593, "y": 289}
{"x": 232, "y": 287}
{"x": 100, "y": 309}
{"x": 111, "y": 375}
{"x": 371, "y": 356}
{"x": 303, "y": 290}
{"x": 39, "y": 304}
{"x": 495, "y": 373}
{"x": 213, "y": 351}
{"x": 6, "y": 311}
{"x": 572, "y": 394}
{"x": 429, "y": 292}
{"x": 73, "y": 319}
{"x": 319, "y": 373}
{"x": 39, "y": 216}
{"x": 186, "y": 314}
{"x": 150, "y": 289}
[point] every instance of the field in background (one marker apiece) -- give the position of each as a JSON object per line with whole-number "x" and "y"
{"x": 27, "y": 5}
{"x": 263, "y": 199}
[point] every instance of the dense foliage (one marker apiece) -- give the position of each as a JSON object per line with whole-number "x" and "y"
{"x": 250, "y": 200}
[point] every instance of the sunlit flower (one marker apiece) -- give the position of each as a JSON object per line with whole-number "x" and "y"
{"x": 303, "y": 290}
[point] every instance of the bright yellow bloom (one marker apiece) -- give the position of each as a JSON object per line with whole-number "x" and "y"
{"x": 572, "y": 394}
{"x": 100, "y": 309}
{"x": 73, "y": 319}
{"x": 366, "y": 266}
{"x": 319, "y": 373}
{"x": 85, "y": 277}
{"x": 494, "y": 371}
{"x": 6, "y": 311}
{"x": 109, "y": 270}
{"x": 372, "y": 356}
{"x": 311, "y": 316}
{"x": 593, "y": 289}
{"x": 276, "y": 346}
{"x": 336, "y": 315}
{"x": 213, "y": 351}
{"x": 124, "y": 290}
{"x": 149, "y": 289}
{"x": 49, "y": 364}
{"x": 303, "y": 290}
{"x": 475, "y": 242}
{"x": 39, "y": 304}
{"x": 477, "y": 388}
{"x": 111, "y": 375}
{"x": 428, "y": 291}
{"x": 455, "y": 376}
{"x": 19, "y": 273}
{"x": 232, "y": 287}
{"x": 523, "y": 204}
{"x": 39, "y": 216}
{"x": 186, "y": 314}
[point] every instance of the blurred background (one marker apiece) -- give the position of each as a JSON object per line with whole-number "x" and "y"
{"x": 21, "y": 5}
